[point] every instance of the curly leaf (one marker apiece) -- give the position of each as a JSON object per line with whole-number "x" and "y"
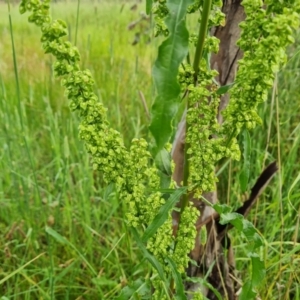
{"x": 170, "y": 54}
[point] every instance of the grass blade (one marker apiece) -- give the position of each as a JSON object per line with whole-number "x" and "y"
{"x": 20, "y": 269}
{"x": 153, "y": 261}
{"x": 178, "y": 280}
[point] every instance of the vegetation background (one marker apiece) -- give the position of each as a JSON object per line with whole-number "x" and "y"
{"x": 62, "y": 233}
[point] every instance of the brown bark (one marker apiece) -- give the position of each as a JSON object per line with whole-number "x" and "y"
{"x": 212, "y": 255}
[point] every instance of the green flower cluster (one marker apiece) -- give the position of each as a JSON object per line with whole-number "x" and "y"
{"x": 104, "y": 143}
{"x": 265, "y": 35}
{"x": 185, "y": 238}
{"x": 278, "y": 7}
{"x": 194, "y": 7}
{"x": 216, "y": 16}
{"x": 160, "y": 11}
{"x": 140, "y": 177}
{"x": 130, "y": 170}
{"x": 216, "y": 4}
{"x": 206, "y": 143}
{"x": 198, "y": 296}
{"x": 211, "y": 43}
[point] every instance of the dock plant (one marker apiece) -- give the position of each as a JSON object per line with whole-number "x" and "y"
{"x": 182, "y": 74}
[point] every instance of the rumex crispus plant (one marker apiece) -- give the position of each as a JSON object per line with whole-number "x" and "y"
{"x": 182, "y": 73}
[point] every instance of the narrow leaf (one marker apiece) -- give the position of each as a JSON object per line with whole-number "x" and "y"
{"x": 64, "y": 241}
{"x": 178, "y": 280}
{"x": 170, "y": 55}
{"x": 202, "y": 235}
{"x": 224, "y": 89}
{"x": 136, "y": 290}
{"x": 163, "y": 213}
{"x": 148, "y": 6}
{"x": 153, "y": 261}
{"x": 20, "y": 269}
{"x": 244, "y": 175}
{"x": 56, "y": 236}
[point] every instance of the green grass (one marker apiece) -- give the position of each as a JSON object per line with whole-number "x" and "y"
{"x": 46, "y": 176}
{"x": 62, "y": 234}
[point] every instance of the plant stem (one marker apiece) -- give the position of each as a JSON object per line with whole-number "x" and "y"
{"x": 202, "y": 35}
{"x": 77, "y": 20}
{"x": 198, "y": 56}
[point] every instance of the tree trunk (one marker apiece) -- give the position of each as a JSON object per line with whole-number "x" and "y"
{"x": 211, "y": 257}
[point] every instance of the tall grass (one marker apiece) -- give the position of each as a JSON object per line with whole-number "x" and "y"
{"x": 46, "y": 178}
{"x": 62, "y": 234}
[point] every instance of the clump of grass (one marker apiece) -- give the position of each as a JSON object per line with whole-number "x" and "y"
{"x": 277, "y": 212}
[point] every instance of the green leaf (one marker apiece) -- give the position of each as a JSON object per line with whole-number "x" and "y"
{"x": 163, "y": 161}
{"x": 135, "y": 290}
{"x": 244, "y": 226}
{"x": 56, "y": 236}
{"x": 202, "y": 235}
{"x": 163, "y": 213}
{"x": 244, "y": 175}
{"x": 163, "y": 190}
{"x": 170, "y": 55}
{"x": 66, "y": 147}
{"x": 103, "y": 281}
{"x": 153, "y": 261}
{"x": 258, "y": 270}
{"x": 165, "y": 180}
{"x": 251, "y": 234}
{"x": 221, "y": 208}
{"x": 234, "y": 218}
{"x": 247, "y": 292}
{"x": 178, "y": 280}
{"x": 148, "y": 6}
{"x": 224, "y": 89}
{"x": 257, "y": 276}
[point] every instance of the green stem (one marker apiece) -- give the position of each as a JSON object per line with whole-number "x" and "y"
{"x": 198, "y": 56}
{"x": 202, "y": 35}
{"x": 77, "y": 20}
